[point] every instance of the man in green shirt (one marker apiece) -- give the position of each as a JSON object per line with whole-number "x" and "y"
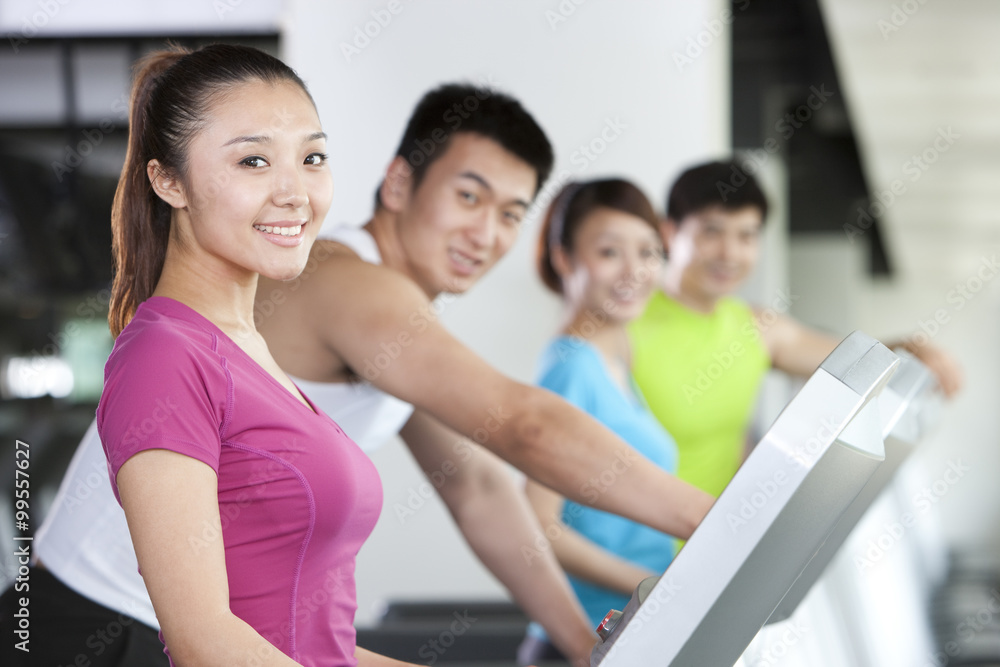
{"x": 699, "y": 353}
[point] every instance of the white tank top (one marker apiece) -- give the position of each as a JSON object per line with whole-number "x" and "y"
{"x": 84, "y": 540}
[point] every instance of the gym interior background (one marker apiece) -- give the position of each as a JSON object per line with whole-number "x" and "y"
{"x": 872, "y": 125}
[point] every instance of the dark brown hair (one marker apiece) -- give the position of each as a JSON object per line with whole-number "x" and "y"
{"x": 171, "y": 94}
{"x": 572, "y": 205}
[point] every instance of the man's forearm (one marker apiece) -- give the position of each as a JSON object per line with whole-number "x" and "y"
{"x": 573, "y": 454}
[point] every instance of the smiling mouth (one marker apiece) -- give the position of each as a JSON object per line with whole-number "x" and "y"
{"x": 464, "y": 260}
{"x": 282, "y": 231}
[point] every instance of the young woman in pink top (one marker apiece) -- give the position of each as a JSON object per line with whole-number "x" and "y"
{"x": 243, "y": 501}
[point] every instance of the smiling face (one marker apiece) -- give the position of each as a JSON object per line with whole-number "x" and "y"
{"x": 256, "y": 185}
{"x": 612, "y": 266}
{"x": 714, "y": 249}
{"x": 464, "y": 215}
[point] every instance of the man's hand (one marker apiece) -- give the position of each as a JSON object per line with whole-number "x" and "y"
{"x": 940, "y": 363}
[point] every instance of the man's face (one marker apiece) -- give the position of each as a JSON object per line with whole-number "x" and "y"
{"x": 465, "y": 214}
{"x": 715, "y": 248}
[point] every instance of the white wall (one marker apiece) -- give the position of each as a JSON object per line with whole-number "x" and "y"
{"x": 605, "y": 60}
{"x": 23, "y": 20}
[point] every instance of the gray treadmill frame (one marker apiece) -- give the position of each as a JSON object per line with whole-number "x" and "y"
{"x": 904, "y": 406}
{"x": 769, "y": 521}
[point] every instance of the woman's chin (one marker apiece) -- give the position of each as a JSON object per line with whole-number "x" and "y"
{"x": 284, "y": 273}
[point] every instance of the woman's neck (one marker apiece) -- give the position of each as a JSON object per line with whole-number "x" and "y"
{"x": 610, "y": 338}
{"x": 217, "y": 292}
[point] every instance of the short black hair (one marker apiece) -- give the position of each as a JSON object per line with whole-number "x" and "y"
{"x": 461, "y": 107}
{"x": 724, "y": 184}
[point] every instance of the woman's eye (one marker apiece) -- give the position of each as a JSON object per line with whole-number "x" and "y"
{"x": 608, "y": 252}
{"x": 317, "y": 158}
{"x": 254, "y": 161}
{"x": 468, "y": 197}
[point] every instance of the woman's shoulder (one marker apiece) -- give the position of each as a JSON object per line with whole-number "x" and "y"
{"x": 568, "y": 360}
{"x": 567, "y": 350}
{"x": 164, "y": 336}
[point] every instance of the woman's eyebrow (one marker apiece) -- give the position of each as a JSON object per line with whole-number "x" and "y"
{"x": 264, "y": 139}
{"x": 249, "y": 139}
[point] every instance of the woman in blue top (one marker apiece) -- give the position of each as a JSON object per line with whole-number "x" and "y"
{"x": 600, "y": 250}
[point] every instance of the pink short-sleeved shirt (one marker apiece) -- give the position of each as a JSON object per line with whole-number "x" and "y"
{"x": 297, "y": 497}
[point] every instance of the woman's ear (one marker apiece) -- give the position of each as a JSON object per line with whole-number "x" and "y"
{"x": 561, "y": 261}
{"x": 395, "y": 189}
{"x": 166, "y": 186}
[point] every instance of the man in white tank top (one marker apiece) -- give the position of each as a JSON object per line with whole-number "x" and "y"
{"x": 449, "y": 208}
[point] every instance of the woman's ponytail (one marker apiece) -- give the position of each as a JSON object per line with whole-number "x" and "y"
{"x": 140, "y": 220}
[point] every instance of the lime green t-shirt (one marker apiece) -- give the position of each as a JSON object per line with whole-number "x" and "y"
{"x": 700, "y": 374}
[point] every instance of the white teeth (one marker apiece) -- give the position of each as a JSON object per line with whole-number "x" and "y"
{"x": 462, "y": 259}
{"x": 282, "y": 231}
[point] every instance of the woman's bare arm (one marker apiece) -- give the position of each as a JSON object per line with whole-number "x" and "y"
{"x": 172, "y": 506}
{"x": 578, "y": 555}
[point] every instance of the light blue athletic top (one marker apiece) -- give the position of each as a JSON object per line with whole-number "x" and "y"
{"x": 574, "y": 369}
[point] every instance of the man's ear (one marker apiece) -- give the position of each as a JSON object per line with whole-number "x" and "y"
{"x": 397, "y": 184}
{"x": 166, "y": 185}
{"x": 668, "y": 230}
